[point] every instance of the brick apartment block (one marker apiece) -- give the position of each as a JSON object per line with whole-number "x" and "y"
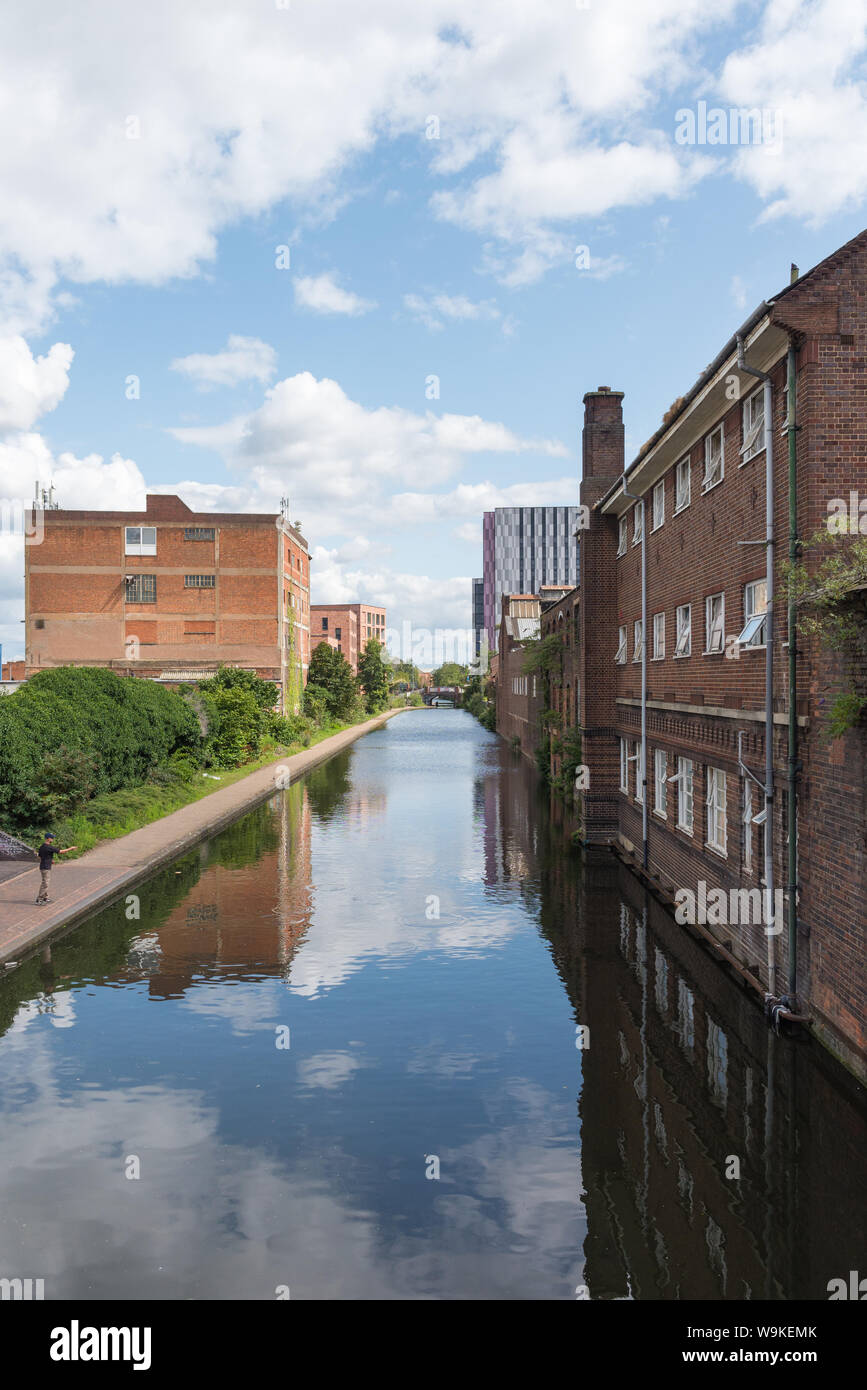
{"x": 348, "y": 627}
{"x": 519, "y": 696}
{"x": 169, "y": 594}
{"x": 701, "y": 483}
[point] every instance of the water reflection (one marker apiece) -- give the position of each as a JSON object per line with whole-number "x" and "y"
{"x": 416, "y": 919}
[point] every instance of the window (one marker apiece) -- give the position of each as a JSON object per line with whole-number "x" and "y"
{"x": 658, "y": 636}
{"x": 324, "y": 624}
{"x": 639, "y": 775}
{"x": 338, "y": 633}
{"x": 755, "y": 614}
{"x": 683, "y": 646}
{"x": 199, "y": 581}
{"x": 681, "y": 485}
{"x": 684, "y": 795}
{"x": 753, "y": 425}
{"x": 658, "y": 505}
{"x": 624, "y": 766}
{"x": 660, "y": 776}
{"x": 638, "y": 642}
{"x": 637, "y": 522}
{"x": 621, "y": 536}
{"x": 198, "y": 533}
{"x": 621, "y": 646}
{"x": 713, "y": 459}
{"x": 716, "y": 809}
{"x": 747, "y": 819}
{"x": 141, "y": 588}
{"x": 141, "y": 540}
{"x": 714, "y": 623}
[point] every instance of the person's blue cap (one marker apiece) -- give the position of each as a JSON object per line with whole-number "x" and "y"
{"x": 49, "y": 835}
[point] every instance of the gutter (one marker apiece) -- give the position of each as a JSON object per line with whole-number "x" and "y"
{"x": 772, "y": 929}
{"x": 643, "y": 768}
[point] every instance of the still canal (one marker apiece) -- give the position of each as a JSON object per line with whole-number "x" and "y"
{"x": 336, "y": 1054}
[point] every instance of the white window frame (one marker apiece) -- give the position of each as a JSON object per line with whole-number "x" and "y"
{"x": 622, "y": 535}
{"x": 755, "y": 627}
{"x": 747, "y": 821}
{"x": 712, "y": 478}
{"x": 142, "y": 546}
{"x": 684, "y": 631}
{"x": 637, "y": 523}
{"x": 711, "y": 626}
{"x": 683, "y": 470}
{"x": 620, "y": 658}
{"x": 753, "y": 423}
{"x": 624, "y": 766}
{"x": 658, "y": 637}
{"x": 658, "y": 513}
{"x": 660, "y": 780}
{"x": 715, "y": 806}
{"x": 639, "y": 775}
{"x": 685, "y": 795}
{"x": 637, "y": 640}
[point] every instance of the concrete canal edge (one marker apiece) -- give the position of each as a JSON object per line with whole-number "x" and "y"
{"x": 109, "y": 871}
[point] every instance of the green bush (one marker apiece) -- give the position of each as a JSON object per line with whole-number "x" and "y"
{"x": 316, "y": 704}
{"x": 123, "y": 725}
{"x": 235, "y": 725}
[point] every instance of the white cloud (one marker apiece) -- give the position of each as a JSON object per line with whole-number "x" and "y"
{"x": 338, "y": 459}
{"x": 242, "y": 359}
{"x": 469, "y": 531}
{"x": 805, "y": 69}
{"x": 437, "y": 309}
{"x": 210, "y": 113}
{"x": 30, "y": 386}
{"x": 323, "y": 295}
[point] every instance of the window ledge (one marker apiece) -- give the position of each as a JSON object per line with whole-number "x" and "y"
{"x": 714, "y": 849}
{"x": 681, "y": 508}
{"x": 709, "y": 487}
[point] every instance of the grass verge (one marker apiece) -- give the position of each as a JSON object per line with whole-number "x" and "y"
{"x": 113, "y": 814}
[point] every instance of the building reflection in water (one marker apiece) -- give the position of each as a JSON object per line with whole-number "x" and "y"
{"x": 682, "y": 1076}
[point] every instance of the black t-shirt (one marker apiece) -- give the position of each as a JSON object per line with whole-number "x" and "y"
{"x": 46, "y": 855}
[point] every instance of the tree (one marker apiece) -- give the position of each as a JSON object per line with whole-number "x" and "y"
{"x": 373, "y": 677}
{"x": 265, "y": 693}
{"x": 450, "y": 673}
{"x": 332, "y": 673}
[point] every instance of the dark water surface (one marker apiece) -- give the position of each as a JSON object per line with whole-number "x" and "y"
{"x": 413, "y": 1037}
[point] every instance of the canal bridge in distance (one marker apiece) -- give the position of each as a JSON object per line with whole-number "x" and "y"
{"x": 440, "y": 694}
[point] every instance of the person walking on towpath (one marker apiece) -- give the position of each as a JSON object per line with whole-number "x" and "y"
{"x": 47, "y": 851}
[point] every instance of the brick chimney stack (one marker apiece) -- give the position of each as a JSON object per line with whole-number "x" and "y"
{"x": 603, "y": 463}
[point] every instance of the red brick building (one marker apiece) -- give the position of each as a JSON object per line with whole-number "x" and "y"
{"x": 170, "y": 594}
{"x": 676, "y": 632}
{"x": 519, "y": 697}
{"x": 348, "y": 627}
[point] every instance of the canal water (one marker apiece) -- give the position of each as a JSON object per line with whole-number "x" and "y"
{"x": 335, "y": 1054}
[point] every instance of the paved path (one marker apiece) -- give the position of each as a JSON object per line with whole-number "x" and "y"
{"x": 112, "y": 868}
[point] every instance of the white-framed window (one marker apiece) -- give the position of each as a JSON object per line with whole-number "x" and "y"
{"x": 637, "y": 640}
{"x": 639, "y": 775}
{"x": 660, "y": 775}
{"x": 659, "y": 504}
{"x": 637, "y": 522}
{"x": 755, "y": 610}
{"x": 681, "y": 485}
{"x": 624, "y": 766}
{"x": 684, "y": 795}
{"x": 747, "y": 820}
{"x": 622, "y": 528}
{"x": 714, "y": 622}
{"x": 714, "y": 465}
{"x": 658, "y": 636}
{"x": 621, "y": 645}
{"x": 683, "y": 645}
{"x": 716, "y": 809}
{"x": 753, "y": 425}
{"x": 140, "y": 540}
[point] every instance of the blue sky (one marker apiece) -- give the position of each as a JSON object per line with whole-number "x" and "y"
{"x": 259, "y": 126}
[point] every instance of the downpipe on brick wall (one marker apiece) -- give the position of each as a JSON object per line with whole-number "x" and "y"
{"x": 771, "y": 927}
{"x": 636, "y": 498}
